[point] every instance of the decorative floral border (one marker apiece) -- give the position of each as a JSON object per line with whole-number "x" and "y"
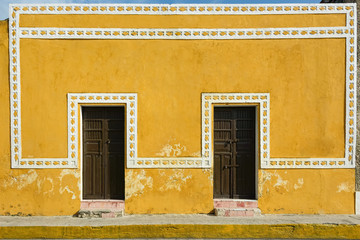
{"x": 348, "y": 32}
{"x": 182, "y": 9}
{"x": 211, "y": 99}
{"x": 130, "y": 101}
{"x": 248, "y": 33}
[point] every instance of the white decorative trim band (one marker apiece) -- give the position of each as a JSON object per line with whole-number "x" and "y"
{"x": 130, "y": 102}
{"x": 307, "y": 163}
{"x": 182, "y": 9}
{"x": 187, "y": 33}
{"x": 348, "y": 32}
{"x": 262, "y": 99}
{"x": 177, "y": 162}
{"x": 74, "y": 99}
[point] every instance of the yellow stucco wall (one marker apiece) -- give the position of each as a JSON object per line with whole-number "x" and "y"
{"x": 305, "y": 78}
{"x": 183, "y": 21}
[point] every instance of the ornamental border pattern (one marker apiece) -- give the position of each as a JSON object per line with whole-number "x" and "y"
{"x": 16, "y": 33}
{"x": 181, "y": 9}
{"x": 209, "y": 100}
{"x": 77, "y": 99}
{"x": 187, "y": 33}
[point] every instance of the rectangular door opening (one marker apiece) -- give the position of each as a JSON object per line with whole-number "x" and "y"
{"x": 235, "y": 152}
{"x": 103, "y": 153}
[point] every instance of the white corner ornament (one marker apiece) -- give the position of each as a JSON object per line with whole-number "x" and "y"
{"x": 347, "y": 32}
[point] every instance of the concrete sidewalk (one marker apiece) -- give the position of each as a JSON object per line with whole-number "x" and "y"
{"x": 183, "y": 226}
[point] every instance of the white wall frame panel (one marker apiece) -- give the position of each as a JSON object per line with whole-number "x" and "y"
{"x": 16, "y": 33}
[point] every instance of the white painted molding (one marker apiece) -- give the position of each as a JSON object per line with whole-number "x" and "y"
{"x": 182, "y": 9}
{"x": 348, "y": 32}
{"x": 211, "y": 99}
{"x": 186, "y": 33}
{"x": 74, "y": 100}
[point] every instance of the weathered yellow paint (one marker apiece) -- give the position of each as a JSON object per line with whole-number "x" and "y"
{"x": 173, "y": 191}
{"x": 307, "y": 191}
{"x": 288, "y": 231}
{"x": 28, "y": 191}
{"x": 305, "y": 78}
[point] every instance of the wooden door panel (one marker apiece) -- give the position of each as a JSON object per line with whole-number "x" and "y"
{"x": 245, "y": 176}
{"x": 104, "y": 153}
{"x": 115, "y": 135}
{"x": 217, "y": 175}
{"x": 234, "y": 152}
{"x": 116, "y": 124}
{"x": 116, "y": 165}
{"x": 87, "y": 177}
{"x": 245, "y": 153}
{"x": 116, "y": 153}
{"x": 93, "y": 147}
{"x": 226, "y": 175}
{"x": 93, "y": 177}
{"x": 222, "y": 147}
{"x": 221, "y": 175}
{"x": 116, "y": 177}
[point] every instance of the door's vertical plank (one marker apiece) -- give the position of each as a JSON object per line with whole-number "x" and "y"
{"x": 116, "y": 152}
{"x": 223, "y": 151}
{"x": 92, "y": 144}
{"x": 217, "y": 175}
{"x": 226, "y": 176}
{"x": 245, "y": 152}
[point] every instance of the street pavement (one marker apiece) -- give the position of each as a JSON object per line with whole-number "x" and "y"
{"x": 181, "y": 226}
{"x": 179, "y": 219}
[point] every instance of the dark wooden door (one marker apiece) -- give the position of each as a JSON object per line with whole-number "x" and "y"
{"x": 103, "y": 156}
{"x": 234, "y": 152}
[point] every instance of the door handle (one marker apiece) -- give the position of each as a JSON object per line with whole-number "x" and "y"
{"x": 107, "y": 141}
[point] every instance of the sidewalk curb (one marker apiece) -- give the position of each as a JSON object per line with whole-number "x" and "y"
{"x": 338, "y": 231}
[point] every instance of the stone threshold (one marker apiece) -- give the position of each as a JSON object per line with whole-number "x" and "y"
{"x": 102, "y": 208}
{"x": 236, "y": 208}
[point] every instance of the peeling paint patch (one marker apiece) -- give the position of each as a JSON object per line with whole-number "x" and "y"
{"x": 171, "y": 150}
{"x": 299, "y": 184}
{"x": 22, "y": 180}
{"x": 176, "y": 180}
{"x": 72, "y": 172}
{"x": 161, "y": 172}
{"x": 343, "y": 187}
{"x": 280, "y": 185}
{"x": 67, "y": 189}
{"x": 136, "y": 181}
{"x": 196, "y": 154}
{"x": 265, "y": 176}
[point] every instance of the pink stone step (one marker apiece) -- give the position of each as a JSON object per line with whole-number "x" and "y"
{"x": 232, "y": 203}
{"x": 101, "y": 209}
{"x": 236, "y": 208}
{"x": 113, "y": 205}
